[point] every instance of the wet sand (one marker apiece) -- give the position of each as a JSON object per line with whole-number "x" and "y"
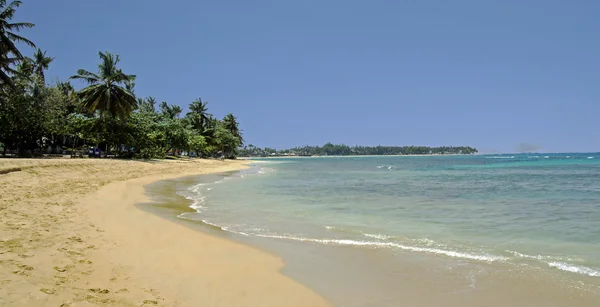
{"x": 71, "y": 235}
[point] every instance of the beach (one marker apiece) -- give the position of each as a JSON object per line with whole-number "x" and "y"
{"x": 71, "y": 235}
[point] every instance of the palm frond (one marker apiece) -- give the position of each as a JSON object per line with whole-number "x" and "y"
{"x": 120, "y": 77}
{"x": 108, "y": 64}
{"x": 89, "y": 77}
{"x": 5, "y": 79}
{"x": 9, "y": 11}
{"x": 90, "y": 96}
{"x": 18, "y": 26}
{"x": 21, "y": 39}
{"x": 8, "y": 46}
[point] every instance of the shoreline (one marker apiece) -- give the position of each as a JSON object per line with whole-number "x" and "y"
{"x": 93, "y": 245}
{"x": 349, "y": 275}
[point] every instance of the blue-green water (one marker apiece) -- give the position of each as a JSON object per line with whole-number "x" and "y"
{"x": 538, "y": 210}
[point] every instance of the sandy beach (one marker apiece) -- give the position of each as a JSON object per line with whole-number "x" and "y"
{"x": 70, "y": 235}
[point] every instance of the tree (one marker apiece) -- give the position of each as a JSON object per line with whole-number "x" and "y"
{"x": 196, "y": 143}
{"x": 199, "y": 113}
{"x": 104, "y": 92}
{"x": 170, "y": 111}
{"x": 225, "y": 141}
{"x": 41, "y": 62}
{"x": 231, "y": 124}
{"x": 148, "y": 104}
{"x": 9, "y": 53}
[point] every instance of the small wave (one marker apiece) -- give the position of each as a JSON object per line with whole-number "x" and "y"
{"x": 223, "y": 228}
{"x": 590, "y": 157}
{"x": 511, "y": 157}
{"x": 542, "y": 257}
{"x": 376, "y": 236}
{"x": 343, "y": 230}
{"x": 454, "y": 254}
{"x": 546, "y": 157}
{"x": 427, "y": 241}
{"x": 533, "y": 157}
{"x": 575, "y": 269}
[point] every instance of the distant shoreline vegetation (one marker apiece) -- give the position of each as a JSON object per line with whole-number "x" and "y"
{"x": 330, "y": 149}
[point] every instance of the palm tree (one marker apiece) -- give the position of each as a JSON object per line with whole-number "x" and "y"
{"x": 41, "y": 62}
{"x": 148, "y": 104}
{"x": 170, "y": 111}
{"x": 176, "y": 110}
{"x": 9, "y": 53}
{"x": 231, "y": 124}
{"x": 105, "y": 93}
{"x": 200, "y": 108}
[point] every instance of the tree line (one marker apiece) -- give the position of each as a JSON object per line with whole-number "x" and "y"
{"x": 330, "y": 149}
{"x": 38, "y": 118}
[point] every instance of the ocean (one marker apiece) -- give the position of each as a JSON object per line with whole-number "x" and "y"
{"x": 518, "y": 230}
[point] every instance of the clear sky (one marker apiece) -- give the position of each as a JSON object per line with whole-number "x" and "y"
{"x": 487, "y": 73}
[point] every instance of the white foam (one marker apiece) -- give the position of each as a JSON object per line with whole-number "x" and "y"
{"x": 575, "y": 268}
{"x": 426, "y": 241}
{"x": 454, "y": 254}
{"x": 376, "y": 236}
{"x": 590, "y": 157}
{"x": 511, "y": 157}
{"x": 542, "y": 257}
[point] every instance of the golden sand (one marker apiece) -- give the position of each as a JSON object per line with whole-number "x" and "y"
{"x": 70, "y": 235}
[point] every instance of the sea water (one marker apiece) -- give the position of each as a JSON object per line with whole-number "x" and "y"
{"x": 535, "y": 211}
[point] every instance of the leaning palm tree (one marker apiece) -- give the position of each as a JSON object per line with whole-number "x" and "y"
{"x": 41, "y": 62}
{"x": 9, "y": 53}
{"x": 105, "y": 93}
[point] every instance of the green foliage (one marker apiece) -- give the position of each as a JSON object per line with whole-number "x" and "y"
{"x": 36, "y": 118}
{"x": 330, "y": 149}
{"x": 226, "y": 141}
{"x": 105, "y": 93}
{"x": 9, "y": 53}
{"x": 196, "y": 143}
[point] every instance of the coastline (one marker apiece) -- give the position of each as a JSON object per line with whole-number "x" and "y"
{"x": 350, "y": 274}
{"x": 350, "y": 156}
{"x": 71, "y": 234}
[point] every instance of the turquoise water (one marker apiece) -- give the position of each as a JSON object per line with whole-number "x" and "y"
{"x": 539, "y": 210}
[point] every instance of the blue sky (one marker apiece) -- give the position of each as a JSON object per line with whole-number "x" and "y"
{"x": 490, "y": 74}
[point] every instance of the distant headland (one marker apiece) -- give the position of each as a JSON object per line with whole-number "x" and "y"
{"x": 330, "y": 149}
